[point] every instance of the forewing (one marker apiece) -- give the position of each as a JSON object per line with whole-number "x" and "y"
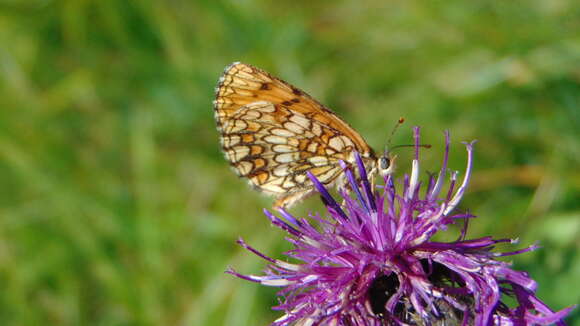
{"x": 242, "y": 84}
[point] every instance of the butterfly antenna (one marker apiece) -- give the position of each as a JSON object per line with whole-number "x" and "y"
{"x": 389, "y": 148}
{"x": 399, "y": 123}
{"x": 411, "y": 145}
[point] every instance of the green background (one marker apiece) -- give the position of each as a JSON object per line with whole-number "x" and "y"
{"x": 117, "y": 207}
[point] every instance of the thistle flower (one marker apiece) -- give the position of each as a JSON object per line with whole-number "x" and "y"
{"x": 372, "y": 260}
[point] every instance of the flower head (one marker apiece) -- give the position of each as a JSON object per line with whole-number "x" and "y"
{"x": 372, "y": 261}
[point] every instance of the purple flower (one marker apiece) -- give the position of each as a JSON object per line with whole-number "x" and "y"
{"x": 372, "y": 260}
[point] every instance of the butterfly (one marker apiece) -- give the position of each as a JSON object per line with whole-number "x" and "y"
{"x": 272, "y": 133}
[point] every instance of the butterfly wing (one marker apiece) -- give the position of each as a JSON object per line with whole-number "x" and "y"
{"x": 272, "y": 133}
{"x": 242, "y": 84}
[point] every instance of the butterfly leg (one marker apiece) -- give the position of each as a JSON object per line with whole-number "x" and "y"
{"x": 286, "y": 201}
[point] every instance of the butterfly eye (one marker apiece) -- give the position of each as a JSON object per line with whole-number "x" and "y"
{"x": 384, "y": 163}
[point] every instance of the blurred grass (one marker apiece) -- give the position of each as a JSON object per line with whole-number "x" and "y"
{"x": 117, "y": 208}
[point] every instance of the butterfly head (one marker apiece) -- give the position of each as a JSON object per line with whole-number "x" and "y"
{"x": 386, "y": 163}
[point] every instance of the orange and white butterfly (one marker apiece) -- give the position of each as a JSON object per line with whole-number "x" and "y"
{"x": 273, "y": 133}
